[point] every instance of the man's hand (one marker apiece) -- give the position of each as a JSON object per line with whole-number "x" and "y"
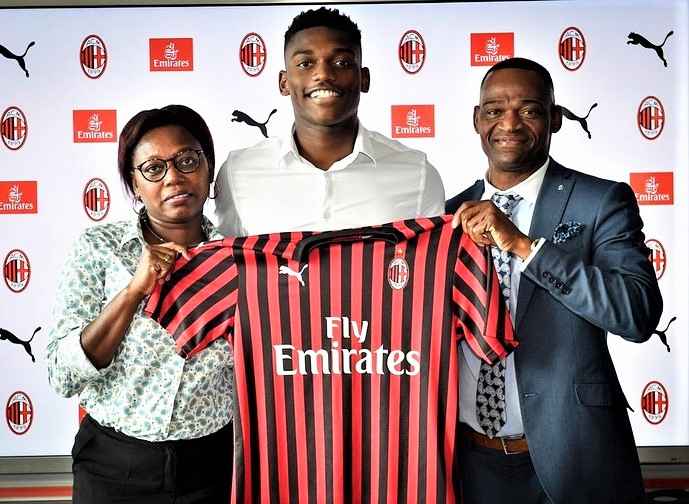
{"x": 487, "y": 225}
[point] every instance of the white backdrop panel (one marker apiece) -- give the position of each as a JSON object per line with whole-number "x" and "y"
{"x": 613, "y": 74}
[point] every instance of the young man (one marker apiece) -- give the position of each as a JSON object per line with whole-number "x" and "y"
{"x": 553, "y": 428}
{"x": 329, "y": 172}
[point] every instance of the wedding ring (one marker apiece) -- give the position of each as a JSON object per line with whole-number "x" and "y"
{"x": 166, "y": 259}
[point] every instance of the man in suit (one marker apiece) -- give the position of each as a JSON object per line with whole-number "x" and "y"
{"x": 550, "y": 425}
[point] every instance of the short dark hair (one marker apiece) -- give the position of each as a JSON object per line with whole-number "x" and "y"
{"x": 147, "y": 120}
{"x": 523, "y": 64}
{"x": 329, "y": 18}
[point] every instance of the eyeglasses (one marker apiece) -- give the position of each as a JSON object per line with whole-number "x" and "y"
{"x": 154, "y": 170}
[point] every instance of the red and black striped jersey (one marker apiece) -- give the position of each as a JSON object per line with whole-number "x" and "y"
{"x": 345, "y": 347}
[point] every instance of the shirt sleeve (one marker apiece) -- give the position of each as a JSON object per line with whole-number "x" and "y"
{"x": 229, "y": 222}
{"x": 483, "y": 319}
{"x": 433, "y": 193}
{"x": 80, "y": 298}
{"x": 197, "y": 305}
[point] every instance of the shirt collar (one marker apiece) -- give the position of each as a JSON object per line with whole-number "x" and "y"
{"x": 297, "y": 245}
{"x": 528, "y": 189}
{"x": 362, "y": 145}
{"x": 133, "y": 231}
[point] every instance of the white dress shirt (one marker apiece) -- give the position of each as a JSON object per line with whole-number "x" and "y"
{"x": 270, "y": 188}
{"x": 470, "y": 364}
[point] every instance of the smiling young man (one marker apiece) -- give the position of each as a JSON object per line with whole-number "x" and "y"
{"x": 328, "y": 172}
{"x": 552, "y": 427}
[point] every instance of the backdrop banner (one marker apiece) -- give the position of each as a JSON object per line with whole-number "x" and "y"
{"x": 70, "y": 78}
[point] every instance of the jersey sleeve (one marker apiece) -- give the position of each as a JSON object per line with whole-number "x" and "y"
{"x": 482, "y": 317}
{"x": 197, "y": 304}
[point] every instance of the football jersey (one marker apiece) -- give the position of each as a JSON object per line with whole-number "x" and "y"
{"x": 346, "y": 354}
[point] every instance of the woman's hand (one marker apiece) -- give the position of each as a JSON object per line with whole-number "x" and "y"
{"x": 155, "y": 264}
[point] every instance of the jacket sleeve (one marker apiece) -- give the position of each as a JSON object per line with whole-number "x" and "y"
{"x": 618, "y": 290}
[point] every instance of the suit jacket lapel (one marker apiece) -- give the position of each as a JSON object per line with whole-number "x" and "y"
{"x": 476, "y": 190}
{"x": 550, "y": 206}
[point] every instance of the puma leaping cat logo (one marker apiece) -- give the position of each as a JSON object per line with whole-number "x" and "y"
{"x": 286, "y": 270}
{"x": 581, "y": 120}
{"x": 20, "y": 59}
{"x": 6, "y": 335}
{"x": 636, "y": 39}
{"x": 239, "y": 116}
{"x": 661, "y": 334}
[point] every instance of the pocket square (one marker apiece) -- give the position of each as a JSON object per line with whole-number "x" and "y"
{"x": 566, "y": 231}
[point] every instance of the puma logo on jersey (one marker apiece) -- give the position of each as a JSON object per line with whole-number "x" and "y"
{"x": 286, "y": 270}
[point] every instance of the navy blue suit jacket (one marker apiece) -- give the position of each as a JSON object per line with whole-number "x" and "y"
{"x": 570, "y": 295}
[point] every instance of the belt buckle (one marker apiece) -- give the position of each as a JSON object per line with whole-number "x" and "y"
{"x": 504, "y": 444}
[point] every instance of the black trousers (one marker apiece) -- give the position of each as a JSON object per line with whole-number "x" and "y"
{"x": 110, "y": 467}
{"x": 489, "y": 476}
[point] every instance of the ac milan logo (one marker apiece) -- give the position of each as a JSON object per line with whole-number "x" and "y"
{"x": 93, "y": 56}
{"x": 19, "y": 413}
{"x": 651, "y": 117}
{"x": 17, "y": 270}
{"x": 252, "y": 54}
{"x": 96, "y": 199}
{"x": 572, "y": 48}
{"x": 412, "y": 51}
{"x": 14, "y": 128}
{"x": 654, "y": 402}
{"x": 657, "y": 257}
{"x": 398, "y": 273}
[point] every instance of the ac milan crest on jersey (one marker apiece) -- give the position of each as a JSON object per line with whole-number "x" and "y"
{"x": 18, "y": 197}
{"x": 413, "y": 121}
{"x": 412, "y": 51}
{"x": 253, "y": 54}
{"x": 96, "y": 199}
{"x": 17, "y": 270}
{"x": 19, "y": 413}
{"x": 653, "y": 188}
{"x": 398, "y": 273}
{"x": 14, "y": 128}
{"x": 655, "y": 402}
{"x": 651, "y": 117}
{"x": 171, "y": 54}
{"x": 657, "y": 257}
{"x": 487, "y": 49}
{"x": 94, "y": 126}
{"x": 93, "y": 56}
{"x": 572, "y": 48}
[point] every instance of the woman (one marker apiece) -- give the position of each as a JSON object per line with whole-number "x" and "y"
{"x": 158, "y": 425}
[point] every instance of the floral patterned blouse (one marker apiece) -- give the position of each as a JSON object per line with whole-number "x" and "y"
{"x": 148, "y": 391}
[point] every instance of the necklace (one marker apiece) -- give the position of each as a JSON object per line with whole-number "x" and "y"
{"x": 145, "y": 222}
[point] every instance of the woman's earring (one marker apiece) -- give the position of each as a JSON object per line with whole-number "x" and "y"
{"x": 138, "y": 204}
